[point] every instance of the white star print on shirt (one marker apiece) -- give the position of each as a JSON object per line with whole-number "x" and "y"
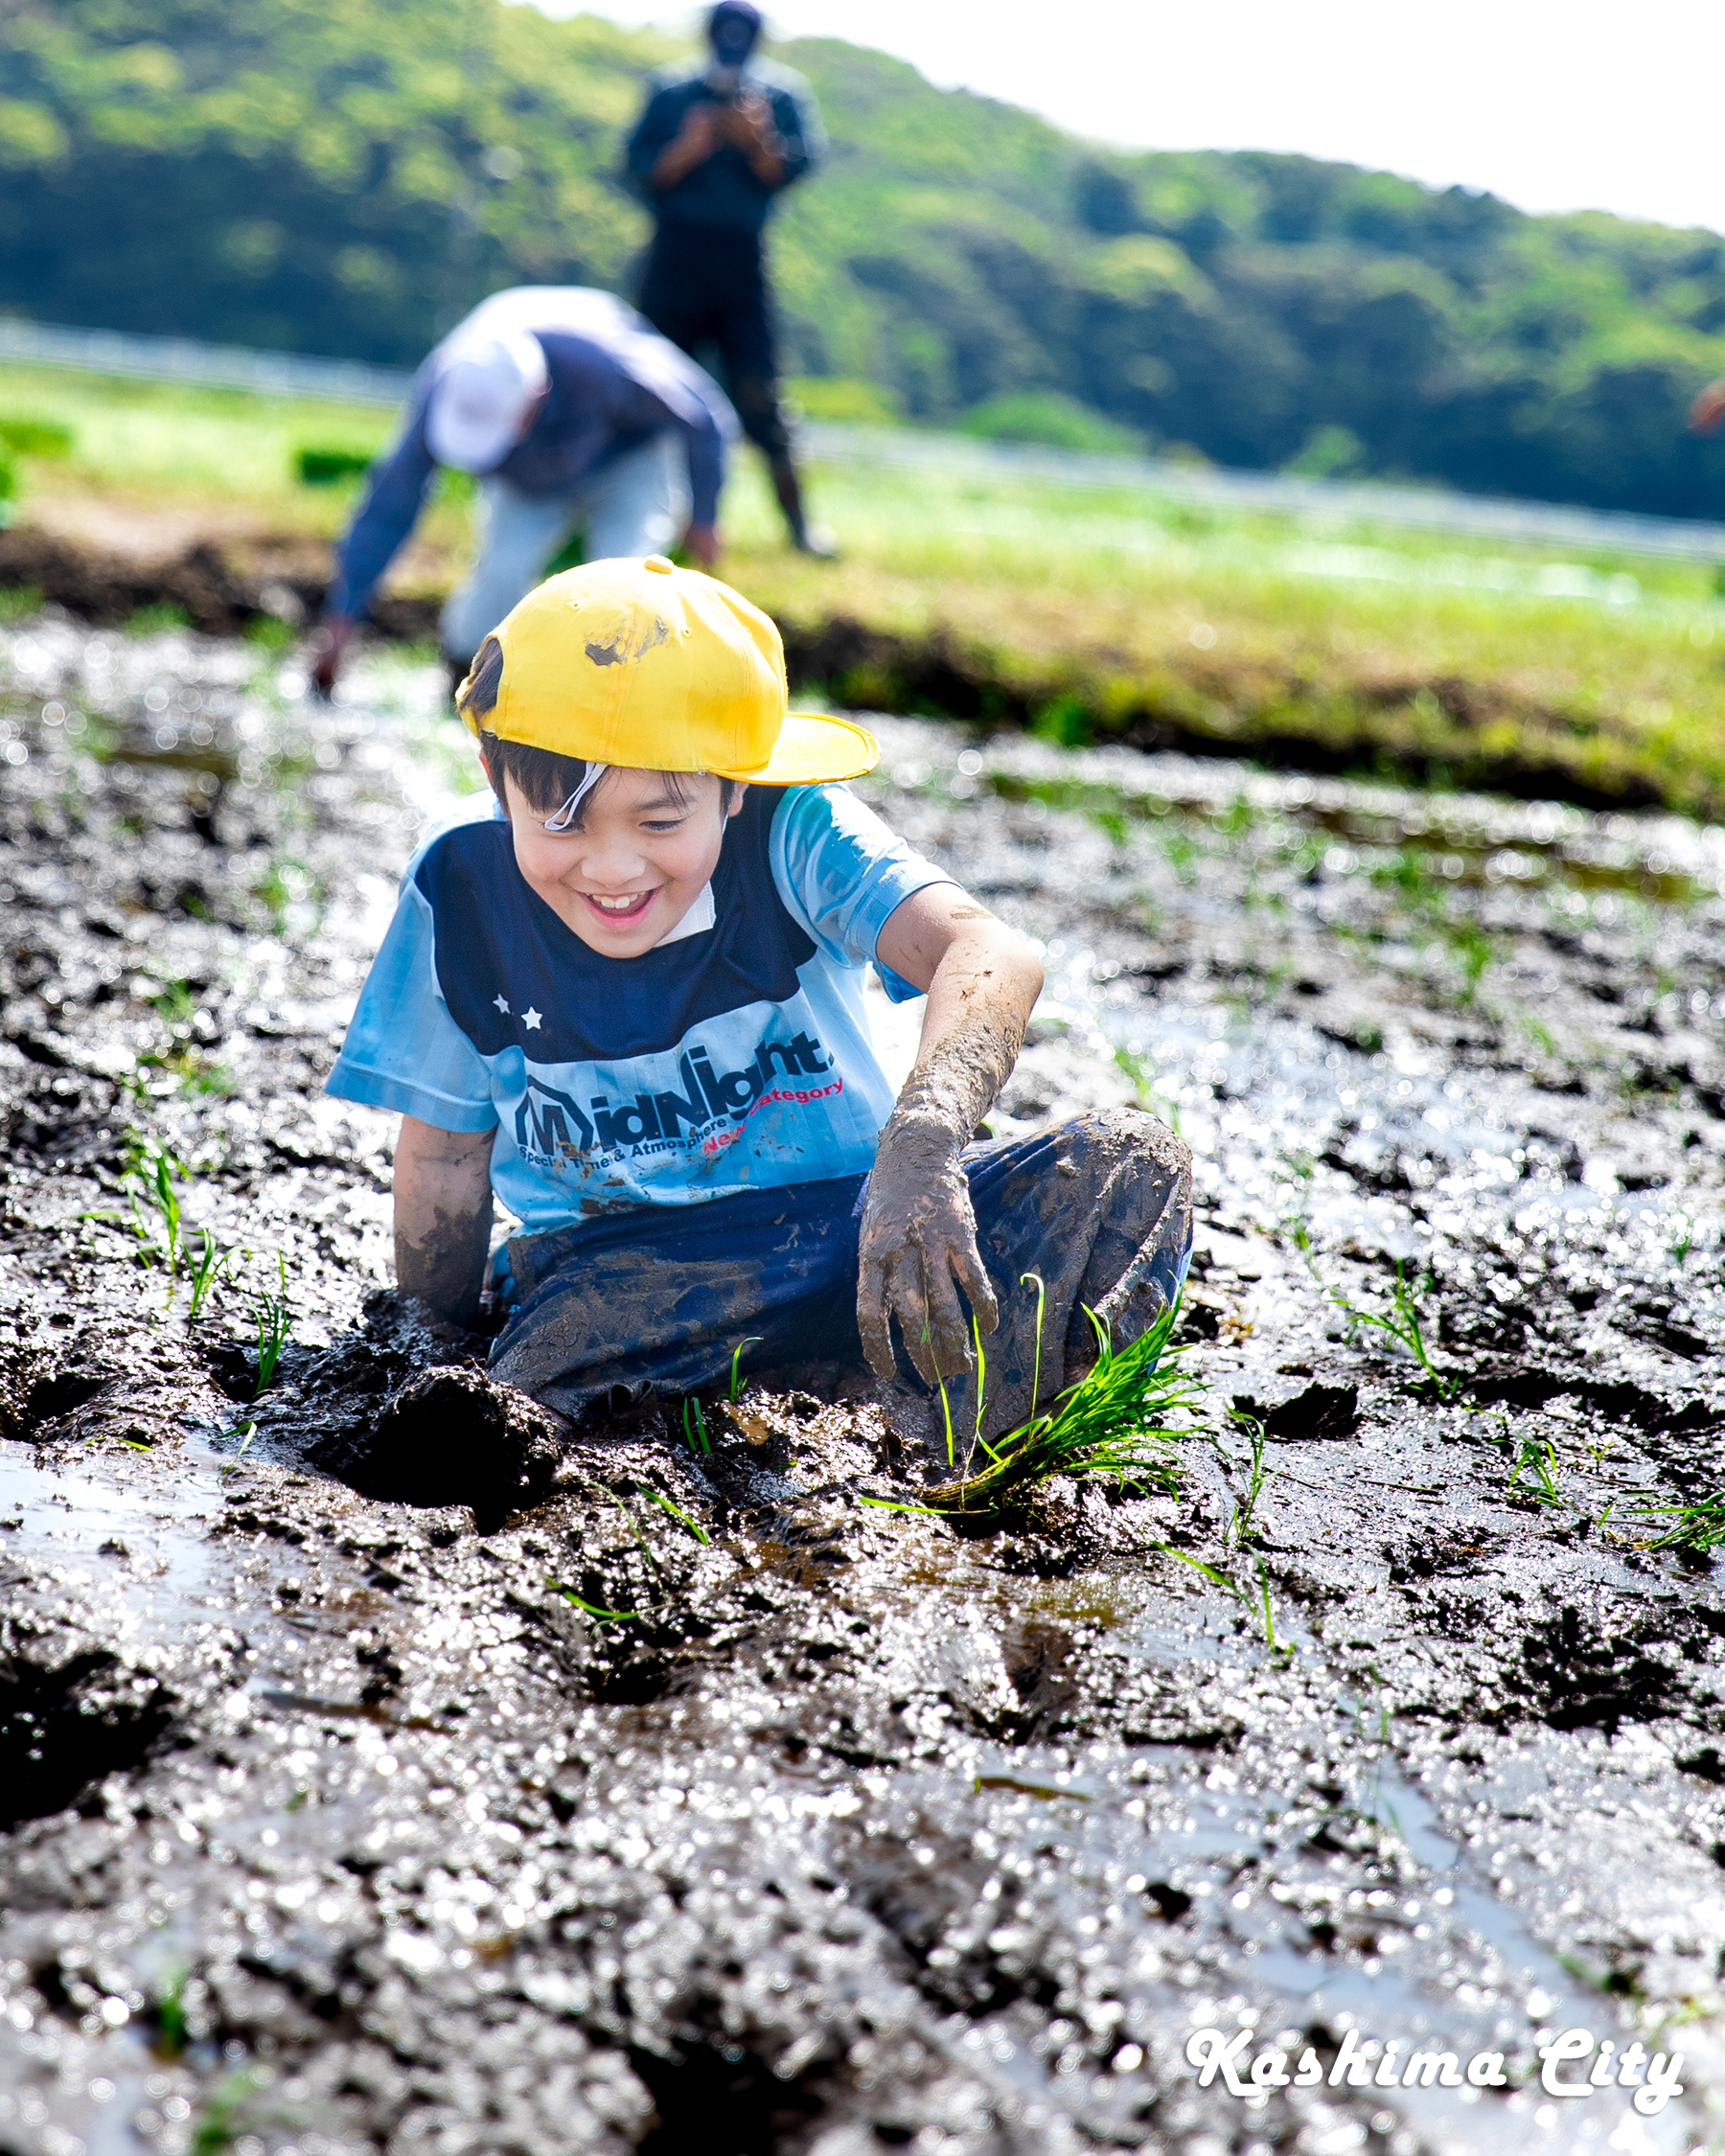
{"x": 531, "y": 1021}
{"x": 499, "y": 1004}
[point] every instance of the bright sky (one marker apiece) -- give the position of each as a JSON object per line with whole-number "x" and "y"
{"x": 1555, "y": 107}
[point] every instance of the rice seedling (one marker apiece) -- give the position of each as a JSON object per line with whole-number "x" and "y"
{"x": 1209, "y": 1572}
{"x": 1276, "y": 1646}
{"x": 181, "y": 1057}
{"x": 1537, "y": 1461}
{"x": 153, "y": 1169}
{"x": 1050, "y": 1793}
{"x": 592, "y": 1609}
{"x": 1135, "y": 1066}
{"x": 694, "y": 1425}
{"x": 1698, "y": 1529}
{"x": 275, "y": 1324}
{"x": 646, "y": 1490}
{"x": 1121, "y": 1419}
{"x": 1401, "y": 1323}
{"x": 291, "y": 896}
{"x": 1181, "y": 852}
{"x": 171, "y": 2017}
{"x": 676, "y": 1512}
{"x": 1257, "y": 1606}
{"x": 1473, "y": 949}
{"x": 1257, "y": 1474}
{"x": 205, "y": 1273}
{"x": 736, "y": 1374}
{"x": 154, "y": 1215}
{"x": 219, "y": 2126}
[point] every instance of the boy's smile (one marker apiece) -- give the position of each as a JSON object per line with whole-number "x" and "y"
{"x": 622, "y": 908}
{"x": 644, "y": 850}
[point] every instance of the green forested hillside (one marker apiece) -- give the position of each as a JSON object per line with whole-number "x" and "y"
{"x": 346, "y": 177}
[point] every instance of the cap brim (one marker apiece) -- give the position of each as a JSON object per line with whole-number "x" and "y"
{"x": 812, "y": 747}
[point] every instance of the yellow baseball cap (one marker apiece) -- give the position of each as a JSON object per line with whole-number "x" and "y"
{"x": 663, "y": 669}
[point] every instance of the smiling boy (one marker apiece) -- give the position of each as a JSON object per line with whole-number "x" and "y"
{"x": 629, "y": 1001}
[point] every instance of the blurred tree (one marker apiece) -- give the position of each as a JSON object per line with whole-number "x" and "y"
{"x": 347, "y": 177}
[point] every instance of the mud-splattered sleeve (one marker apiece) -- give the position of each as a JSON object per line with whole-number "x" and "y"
{"x": 842, "y": 872}
{"x": 403, "y": 1051}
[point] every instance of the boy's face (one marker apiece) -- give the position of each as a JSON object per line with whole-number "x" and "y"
{"x": 639, "y": 859}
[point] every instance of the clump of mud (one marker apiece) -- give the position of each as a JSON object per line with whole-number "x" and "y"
{"x": 390, "y": 1768}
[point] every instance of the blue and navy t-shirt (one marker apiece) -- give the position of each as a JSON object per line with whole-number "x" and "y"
{"x": 732, "y": 1056}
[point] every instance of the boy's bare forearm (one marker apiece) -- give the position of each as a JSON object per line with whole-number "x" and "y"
{"x": 443, "y": 1216}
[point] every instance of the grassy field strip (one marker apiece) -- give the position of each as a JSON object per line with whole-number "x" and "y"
{"x": 1104, "y": 535}
{"x": 110, "y": 356}
{"x": 1231, "y": 490}
{"x": 1403, "y": 652}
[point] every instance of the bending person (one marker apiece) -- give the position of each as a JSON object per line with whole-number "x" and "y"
{"x": 576, "y": 417}
{"x": 721, "y": 139}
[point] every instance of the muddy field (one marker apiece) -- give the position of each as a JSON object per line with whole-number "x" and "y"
{"x": 332, "y": 1821}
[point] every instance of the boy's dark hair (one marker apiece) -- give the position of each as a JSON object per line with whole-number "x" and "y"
{"x": 544, "y": 779}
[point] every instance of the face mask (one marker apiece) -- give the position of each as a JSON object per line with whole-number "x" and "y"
{"x": 565, "y": 817}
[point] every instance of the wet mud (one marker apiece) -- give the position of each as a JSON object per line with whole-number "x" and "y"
{"x": 388, "y": 1770}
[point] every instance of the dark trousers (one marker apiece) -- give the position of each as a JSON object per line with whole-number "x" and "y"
{"x": 658, "y": 1297}
{"x": 706, "y": 286}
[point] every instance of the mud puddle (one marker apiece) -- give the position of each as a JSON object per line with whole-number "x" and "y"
{"x": 343, "y": 1825}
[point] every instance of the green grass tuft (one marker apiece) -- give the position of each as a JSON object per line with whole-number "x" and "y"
{"x": 1400, "y": 1323}
{"x": 1121, "y": 1420}
{"x": 592, "y": 1609}
{"x": 1698, "y": 1528}
{"x": 275, "y": 1325}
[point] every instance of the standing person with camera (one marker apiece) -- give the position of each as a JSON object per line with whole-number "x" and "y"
{"x": 719, "y": 139}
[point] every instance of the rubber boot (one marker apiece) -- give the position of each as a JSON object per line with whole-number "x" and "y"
{"x": 787, "y": 486}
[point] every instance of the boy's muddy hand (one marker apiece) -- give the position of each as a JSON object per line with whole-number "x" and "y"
{"x": 919, "y": 1236}
{"x": 919, "y": 1233}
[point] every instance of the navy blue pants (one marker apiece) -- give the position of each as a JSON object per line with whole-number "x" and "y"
{"x": 657, "y": 1300}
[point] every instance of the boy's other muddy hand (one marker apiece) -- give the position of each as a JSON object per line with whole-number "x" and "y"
{"x": 443, "y": 1216}
{"x": 919, "y": 1236}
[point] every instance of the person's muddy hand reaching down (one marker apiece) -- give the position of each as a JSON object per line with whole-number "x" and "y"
{"x": 328, "y": 651}
{"x": 700, "y": 545}
{"x": 918, "y": 1244}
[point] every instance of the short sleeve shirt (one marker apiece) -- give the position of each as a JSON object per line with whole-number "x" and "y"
{"x": 728, "y": 1059}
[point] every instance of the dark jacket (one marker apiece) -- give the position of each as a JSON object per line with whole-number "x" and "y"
{"x": 615, "y": 382}
{"x": 723, "y": 192}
